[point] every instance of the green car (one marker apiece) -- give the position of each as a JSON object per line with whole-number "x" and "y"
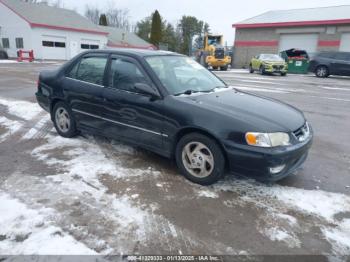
{"x": 268, "y": 63}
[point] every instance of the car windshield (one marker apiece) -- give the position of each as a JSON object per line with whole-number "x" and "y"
{"x": 183, "y": 75}
{"x": 271, "y": 57}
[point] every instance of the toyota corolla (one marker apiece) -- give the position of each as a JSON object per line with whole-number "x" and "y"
{"x": 169, "y": 104}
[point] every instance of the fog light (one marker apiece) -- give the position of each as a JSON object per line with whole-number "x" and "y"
{"x": 277, "y": 169}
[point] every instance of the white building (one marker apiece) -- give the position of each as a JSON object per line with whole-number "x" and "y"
{"x": 53, "y": 33}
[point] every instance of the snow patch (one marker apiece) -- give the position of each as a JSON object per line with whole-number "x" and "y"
{"x": 339, "y": 237}
{"x": 277, "y": 234}
{"x": 27, "y": 231}
{"x": 10, "y": 125}
{"x": 22, "y": 109}
{"x": 207, "y": 193}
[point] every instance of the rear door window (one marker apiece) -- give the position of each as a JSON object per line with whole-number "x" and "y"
{"x": 90, "y": 69}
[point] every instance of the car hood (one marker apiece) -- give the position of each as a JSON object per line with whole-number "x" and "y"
{"x": 265, "y": 114}
{"x": 274, "y": 62}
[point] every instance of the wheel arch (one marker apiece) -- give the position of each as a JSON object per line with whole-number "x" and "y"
{"x": 54, "y": 101}
{"x": 323, "y": 65}
{"x": 188, "y": 130}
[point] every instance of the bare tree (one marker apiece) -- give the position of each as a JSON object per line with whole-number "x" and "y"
{"x": 118, "y": 17}
{"x": 93, "y": 14}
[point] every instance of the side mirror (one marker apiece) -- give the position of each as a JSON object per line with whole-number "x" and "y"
{"x": 146, "y": 89}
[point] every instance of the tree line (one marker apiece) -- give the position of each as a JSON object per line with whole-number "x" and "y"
{"x": 182, "y": 37}
{"x": 178, "y": 38}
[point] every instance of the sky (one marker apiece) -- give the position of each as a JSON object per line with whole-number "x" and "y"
{"x": 220, "y": 14}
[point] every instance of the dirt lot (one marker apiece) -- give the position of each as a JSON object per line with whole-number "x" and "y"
{"x": 91, "y": 195}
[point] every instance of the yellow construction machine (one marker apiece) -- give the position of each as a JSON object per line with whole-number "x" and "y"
{"x": 212, "y": 54}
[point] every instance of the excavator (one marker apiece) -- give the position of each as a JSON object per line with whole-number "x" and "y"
{"x": 212, "y": 54}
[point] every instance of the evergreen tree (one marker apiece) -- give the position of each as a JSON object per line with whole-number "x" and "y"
{"x": 156, "y": 29}
{"x": 103, "y": 20}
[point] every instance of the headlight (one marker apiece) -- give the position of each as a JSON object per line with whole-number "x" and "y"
{"x": 267, "y": 139}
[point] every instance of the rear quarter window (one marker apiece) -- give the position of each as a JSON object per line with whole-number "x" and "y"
{"x": 89, "y": 69}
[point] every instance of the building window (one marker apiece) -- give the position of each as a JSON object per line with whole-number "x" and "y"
{"x": 60, "y": 44}
{"x": 87, "y": 46}
{"x": 54, "y": 44}
{"x": 84, "y": 46}
{"x": 5, "y": 43}
{"x": 48, "y": 43}
{"x": 19, "y": 43}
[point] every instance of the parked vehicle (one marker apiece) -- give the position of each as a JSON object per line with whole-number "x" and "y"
{"x": 212, "y": 54}
{"x": 330, "y": 63}
{"x": 268, "y": 63}
{"x": 170, "y": 104}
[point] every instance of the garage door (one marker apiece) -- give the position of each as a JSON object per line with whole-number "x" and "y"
{"x": 306, "y": 42}
{"x": 345, "y": 42}
{"x": 54, "y": 47}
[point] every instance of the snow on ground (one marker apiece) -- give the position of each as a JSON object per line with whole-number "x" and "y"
{"x": 339, "y": 237}
{"x": 26, "y": 231}
{"x": 10, "y": 125}
{"x": 320, "y": 204}
{"x": 80, "y": 163}
{"x": 277, "y": 234}
{"x": 22, "y": 109}
{"x": 5, "y": 61}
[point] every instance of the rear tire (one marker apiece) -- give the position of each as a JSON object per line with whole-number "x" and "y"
{"x": 63, "y": 120}
{"x": 200, "y": 159}
{"x": 283, "y": 74}
{"x": 224, "y": 68}
{"x": 322, "y": 71}
{"x": 251, "y": 70}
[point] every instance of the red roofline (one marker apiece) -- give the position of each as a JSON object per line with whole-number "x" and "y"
{"x": 68, "y": 29}
{"x": 54, "y": 27}
{"x": 288, "y": 24}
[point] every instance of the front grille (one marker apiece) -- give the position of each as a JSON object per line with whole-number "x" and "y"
{"x": 278, "y": 67}
{"x": 302, "y": 133}
{"x": 219, "y": 53}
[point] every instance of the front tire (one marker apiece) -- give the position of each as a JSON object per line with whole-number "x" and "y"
{"x": 251, "y": 70}
{"x": 224, "y": 68}
{"x": 262, "y": 70}
{"x": 63, "y": 120}
{"x": 322, "y": 71}
{"x": 200, "y": 159}
{"x": 283, "y": 74}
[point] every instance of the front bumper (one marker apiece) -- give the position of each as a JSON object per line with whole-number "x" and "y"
{"x": 256, "y": 162}
{"x": 277, "y": 69}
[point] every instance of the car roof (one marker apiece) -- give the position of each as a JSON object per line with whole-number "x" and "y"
{"x": 134, "y": 52}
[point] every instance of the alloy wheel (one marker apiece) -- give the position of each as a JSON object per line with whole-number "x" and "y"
{"x": 198, "y": 159}
{"x": 62, "y": 120}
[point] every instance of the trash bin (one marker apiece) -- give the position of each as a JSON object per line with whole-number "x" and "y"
{"x": 298, "y": 60}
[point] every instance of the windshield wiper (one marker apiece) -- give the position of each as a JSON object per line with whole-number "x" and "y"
{"x": 187, "y": 92}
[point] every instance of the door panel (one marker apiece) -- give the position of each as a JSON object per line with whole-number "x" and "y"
{"x": 341, "y": 64}
{"x": 83, "y": 87}
{"x": 134, "y": 117}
